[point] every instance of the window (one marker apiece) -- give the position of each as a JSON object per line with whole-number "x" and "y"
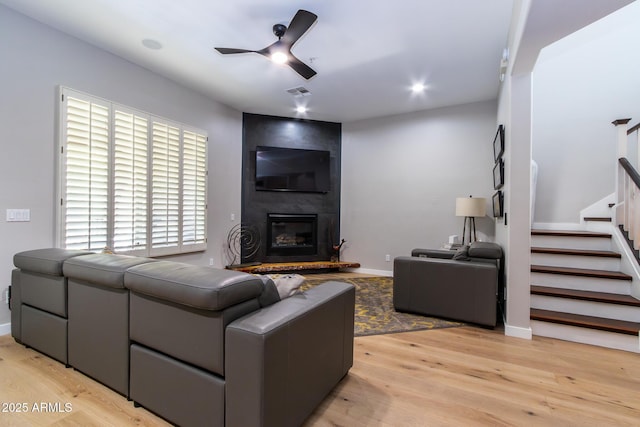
{"x": 129, "y": 180}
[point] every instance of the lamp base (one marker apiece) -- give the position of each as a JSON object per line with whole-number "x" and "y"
{"x": 472, "y": 228}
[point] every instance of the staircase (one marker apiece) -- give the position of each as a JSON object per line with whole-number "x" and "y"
{"x": 578, "y": 292}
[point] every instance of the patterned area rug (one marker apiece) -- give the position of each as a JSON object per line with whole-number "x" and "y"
{"x": 375, "y": 314}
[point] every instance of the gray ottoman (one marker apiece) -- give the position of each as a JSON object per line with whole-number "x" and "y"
{"x": 39, "y": 300}
{"x": 99, "y": 317}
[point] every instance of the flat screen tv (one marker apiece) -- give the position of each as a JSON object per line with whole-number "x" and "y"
{"x": 292, "y": 169}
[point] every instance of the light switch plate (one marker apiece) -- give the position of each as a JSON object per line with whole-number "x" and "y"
{"x": 18, "y": 215}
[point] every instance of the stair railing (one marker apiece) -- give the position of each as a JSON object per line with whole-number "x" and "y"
{"x": 627, "y": 214}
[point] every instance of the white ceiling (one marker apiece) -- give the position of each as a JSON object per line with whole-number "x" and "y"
{"x": 367, "y": 53}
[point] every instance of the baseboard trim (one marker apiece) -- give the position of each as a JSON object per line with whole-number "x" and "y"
{"x": 5, "y": 329}
{"x": 386, "y": 273}
{"x": 518, "y": 332}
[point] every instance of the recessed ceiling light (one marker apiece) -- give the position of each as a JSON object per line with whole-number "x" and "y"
{"x": 301, "y": 109}
{"x": 152, "y": 44}
{"x": 418, "y": 88}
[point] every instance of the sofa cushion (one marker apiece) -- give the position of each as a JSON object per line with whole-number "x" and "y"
{"x": 193, "y": 286}
{"x": 485, "y": 250}
{"x": 45, "y": 261}
{"x": 101, "y": 269}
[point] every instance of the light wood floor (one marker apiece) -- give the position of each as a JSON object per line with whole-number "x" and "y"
{"x": 452, "y": 377}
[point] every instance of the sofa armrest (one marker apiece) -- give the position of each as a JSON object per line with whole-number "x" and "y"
{"x": 282, "y": 360}
{"x": 433, "y": 253}
{"x": 459, "y": 290}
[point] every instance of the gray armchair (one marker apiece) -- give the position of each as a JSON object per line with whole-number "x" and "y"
{"x": 462, "y": 285}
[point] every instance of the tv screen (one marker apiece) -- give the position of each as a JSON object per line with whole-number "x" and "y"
{"x": 290, "y": 169}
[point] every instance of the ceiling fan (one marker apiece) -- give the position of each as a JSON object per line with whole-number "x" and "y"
{"x": 280, "y": 51}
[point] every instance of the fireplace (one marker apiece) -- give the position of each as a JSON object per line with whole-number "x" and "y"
{"x": 292, "y": 234}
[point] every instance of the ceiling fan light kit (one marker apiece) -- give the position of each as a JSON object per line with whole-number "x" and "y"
{"x": 279, "y": 57}
{"x": 280, "y": 51}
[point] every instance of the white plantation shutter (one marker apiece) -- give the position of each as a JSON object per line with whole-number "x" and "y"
{"x": 86, "y": 126}
{"x": 129, "y": 181}
{"x": 165, "y": 203}
{"x": 194, "y": 189}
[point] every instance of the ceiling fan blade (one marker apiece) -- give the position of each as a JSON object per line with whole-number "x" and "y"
{"x": 273, "y": 47}
{"x": 300, "y": 67}
{"x": 227, "y": 50}
{"x": 301, "y": 22}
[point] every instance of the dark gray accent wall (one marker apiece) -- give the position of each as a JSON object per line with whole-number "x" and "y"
{"x": 260, "y": 130}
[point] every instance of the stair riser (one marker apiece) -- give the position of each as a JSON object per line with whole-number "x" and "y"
{"x": 586, "y": 308}
{"x": 582, "y": 283}
{"x": 599, "y": 226}
{"x": 575, "y": 261}
{"x": 595, "y": 243}
{"x": 586, "y": 336}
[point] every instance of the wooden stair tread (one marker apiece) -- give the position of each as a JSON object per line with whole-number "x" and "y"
{"x": 599, "y": 323}
{"x": 581, "y": 252}
{"x": 570, "y": 233}
{"x": 586, "y": 295}
{"x": 584, "y": 272}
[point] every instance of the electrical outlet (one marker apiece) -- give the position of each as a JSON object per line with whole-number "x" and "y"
{"x": 387, "y": 257}
{"x": 211, "y": 261}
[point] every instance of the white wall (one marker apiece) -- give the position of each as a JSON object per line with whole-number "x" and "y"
{"x": 513, "y": 231}
{"x": 580, "y": 85}
{"x": 35, "y": 60}
{"x": 402, "y": 174}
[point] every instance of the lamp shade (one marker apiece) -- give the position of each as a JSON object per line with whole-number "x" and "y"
{"x": 471, "y": 206}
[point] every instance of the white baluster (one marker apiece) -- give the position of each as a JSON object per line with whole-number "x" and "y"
{"x": 635, "y": 220}
{"x": 622, "y": 196}
{"x": 631, "y": 203}
{"x": 619, "y": 208}
{"x": 634, "y": 139}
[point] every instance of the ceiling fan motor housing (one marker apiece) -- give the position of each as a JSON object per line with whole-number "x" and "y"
{"x": 279, "y": 30}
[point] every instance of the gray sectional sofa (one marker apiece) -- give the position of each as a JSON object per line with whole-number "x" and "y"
{"x": 195, "y": 345}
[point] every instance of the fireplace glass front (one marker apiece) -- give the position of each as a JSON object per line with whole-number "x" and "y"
{"x": 292, "y": 234}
